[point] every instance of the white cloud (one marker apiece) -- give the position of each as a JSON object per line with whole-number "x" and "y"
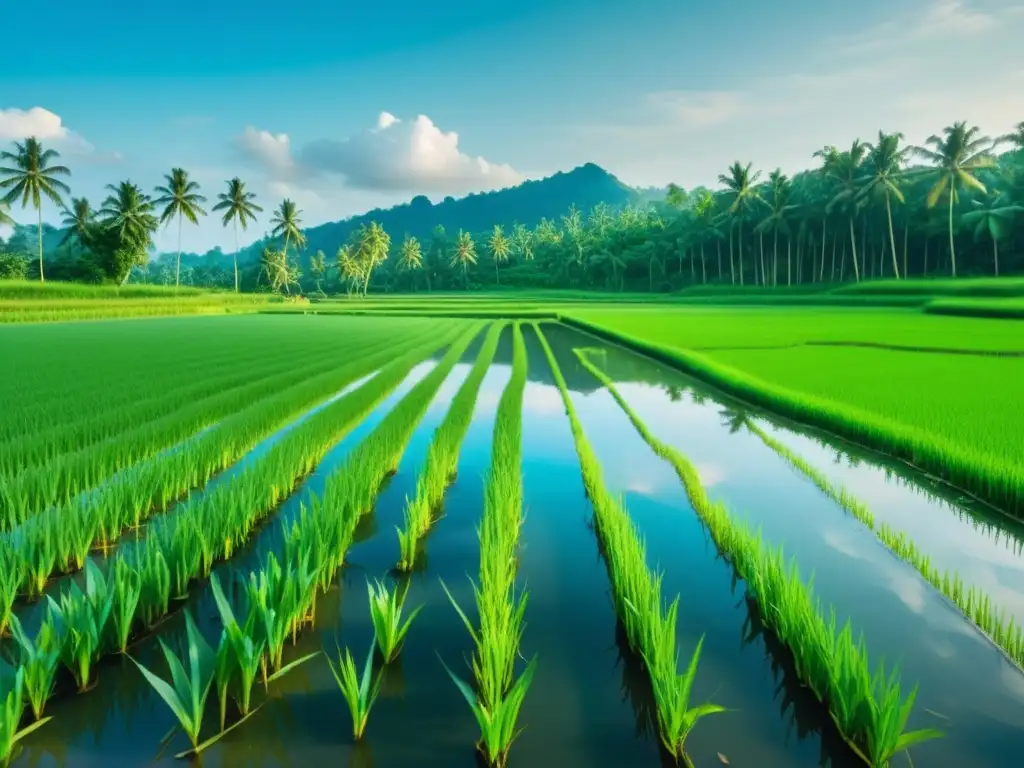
{"x": 937, "y": 20}
{"x": 393, "y": 156}
{"x": 19, "y": 124}
{"x": 699, "y": 109}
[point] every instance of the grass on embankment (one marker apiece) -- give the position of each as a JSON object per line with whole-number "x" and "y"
{"x": 868, "y": 709}
{"x": 921, "y": 407}
{"x": 650, "y": 627}
{"x": 443, "y": 455}
{"x": 998, "y": 308}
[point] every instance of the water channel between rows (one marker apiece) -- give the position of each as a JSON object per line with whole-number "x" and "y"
{"x": 590, "y": 704}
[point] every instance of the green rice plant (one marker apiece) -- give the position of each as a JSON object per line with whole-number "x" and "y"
{"x": 867, "y": 707}
{"x": 498, "y": 722}
{"x": 386, "y": 608}
{"x": 443, "y": 455}
{"x": 125, "y": 594}
{"x": 650, "y": 628}
{"x": 360, "y": 692}
{"x": 39, "y": 660}
{"x": 187, "y": 693}
{"x": 82, "y": 619}
{"x": 12, "y": 694}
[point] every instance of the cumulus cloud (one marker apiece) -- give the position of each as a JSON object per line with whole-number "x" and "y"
{"x": 19, "y": 124}
{"x": 393, "y": 156}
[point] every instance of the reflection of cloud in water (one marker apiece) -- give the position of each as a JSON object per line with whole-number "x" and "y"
{"x": 910, "y": 590}
{"x": 487, "y": 402}
{"x": 840, "y": 542}
{"x": 543, "y": 400}
{"x": 711, "y": 474}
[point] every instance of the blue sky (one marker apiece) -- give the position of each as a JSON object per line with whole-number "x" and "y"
{"x": 653, "y": 90}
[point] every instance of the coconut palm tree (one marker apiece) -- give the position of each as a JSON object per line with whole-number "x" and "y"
{"x": 742, "y": 195}
{"x": 274, "y": 265}
{"x": 239, "y": 209}
{"x": 844, "y": 168}
{"x": 499, "y": 247}
{"x": 286, "y": 223}
{"x": 374, "y": 245}
{"x": 884, "y": 166}
{"x": 131, "y": 212}
{"x": 317, "y": 268}
{"x": 411, "y": 256}
{"x": 77, "y": 219}
{"x": 30, "y": 177}
{"x": 993, "y": 217}
{"x": 957, "y": 155}
{"x": 464, "y": 254}
{"x": 779, "y": 209}
{"x": 180, "y": 199}
{"x": 522, "y": 241}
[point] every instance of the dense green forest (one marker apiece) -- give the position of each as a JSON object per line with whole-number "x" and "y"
{"x": 876, "y": 209}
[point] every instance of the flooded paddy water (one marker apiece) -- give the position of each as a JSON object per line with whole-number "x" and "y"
{"x": 590, "y": 703}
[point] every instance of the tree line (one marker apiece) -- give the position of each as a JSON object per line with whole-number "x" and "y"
{"x": 877, "y": 209}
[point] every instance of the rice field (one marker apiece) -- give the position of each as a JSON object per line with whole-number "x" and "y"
{"x": 491, "y": 541}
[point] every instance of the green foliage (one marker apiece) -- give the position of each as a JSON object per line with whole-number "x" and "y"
{"x": 13, "y": 266}
{"x": 386, "y": 607}
{"x": 360, "y": 691}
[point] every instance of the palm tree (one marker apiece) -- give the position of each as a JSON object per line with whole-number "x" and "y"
{"x": 739, "y": 183}
{"x": 348, "y": 269}
{"x": 884, "y": 165}
{"x": 180, "y": 198}
{"x": 239, "y": 209}
{"x": 465, "y": 254}
{"x": 777, "y": 219}
{"x": 844, "y": 169}
{"x": 411, "y": 256}
{"x": 522, "y": 241}
{"x": 130, "y": 211}
{"x": 374, "y": 245}
{"x": 499, "y": 248}
{"x": 274, "y": 264}
{"x": 993, "y": 219}
{"x": 317, "y": 268}
{"x": 1015, "y": 137}
{"x": 675, "y": 197}
{"x": 31, "y": 178}
{"x": 287, "y": 223}
{"x": 76, "y": 220}
{"x": 957, "y": 155}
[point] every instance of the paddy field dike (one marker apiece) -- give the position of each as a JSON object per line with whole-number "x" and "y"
{"x": 512, "y": 531}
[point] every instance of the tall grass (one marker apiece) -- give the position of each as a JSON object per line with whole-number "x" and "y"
{"x": 976, "y": 605}
{"x": 649, "y": 624}
{"x": 496, "y": 694}
{"x": 868, "y": 708}
{"x": 443, "y": 455}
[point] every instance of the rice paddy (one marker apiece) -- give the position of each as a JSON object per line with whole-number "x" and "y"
{"x": 491, "y": 541}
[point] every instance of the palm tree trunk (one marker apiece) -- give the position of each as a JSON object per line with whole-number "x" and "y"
{"x": 704, "y": 266}
{"x": 995, "y": 254}
{"x": 41, "y": 278}
{"x": 739, "y": 255}
{"x": 775, "y": 257}
{"x": 853, "y": 245}
{"x": 693, "y": 267}
{"x": 236, "y": 255}
{"x": 177, "y": 263}
{"x": 789, "y": 261}
{"x": 832, "y": 277}
{"x": 497, "y": 279}
{"x": 732, "y": 268}
{"x": 718, "y": 246}
{"x": 924, "y": 269}
{"x": 952, "y": 246}
{"x": 821, "y": 276}
{"x": 906, "y": 235}
{"x": 764, "y": 277}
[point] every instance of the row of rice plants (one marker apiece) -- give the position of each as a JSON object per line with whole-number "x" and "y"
{"x": 56, "y": 482}
{"x": 64, "y": 310}
{"x": 496, "y": 695}
{"x": 279, "y": 599}
{"x": 948, "y": 450}
{"x": 100, "y": 422}
{"x": 142, "y": 581}
{"x": 60, "y": 540}
{"x": 650, "y": 626}
{"x": 443, "y": 455}
{"x": 868, "y": 709}
{"x": 976, "y": 605}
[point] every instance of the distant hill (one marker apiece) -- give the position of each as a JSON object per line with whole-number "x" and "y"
{"x": 527, "y": 203}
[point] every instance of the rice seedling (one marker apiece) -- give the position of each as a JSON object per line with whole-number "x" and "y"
{"x": 498, "y": 694}
{"x": 187, "y": 693}
{"x": 82, "y": 618}
{"x": 386, "y": 608}
{"x": 975, "y": 604}
{"x": 360, "y": 691}
{"x": 443, "y": 455}
{"x": 867, "y": 707}
{"x": 12, "y": 693}
{"x": 39, "y": 659}
{"x": 650, "y": 629}
{"x": 879, "y": 401}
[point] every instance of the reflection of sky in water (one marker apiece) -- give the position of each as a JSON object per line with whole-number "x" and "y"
{"x": 902, "y": 617}
{"x": 950, "y": 537}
